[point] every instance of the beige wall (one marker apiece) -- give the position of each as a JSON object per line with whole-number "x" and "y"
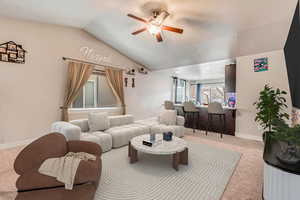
{"x": 250, "y": 83}
{"x": 146, "y": 99}
{"x": 31, "y": 93}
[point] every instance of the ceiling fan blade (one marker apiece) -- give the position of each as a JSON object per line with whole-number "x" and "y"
{"x": 137, "y": 18}
{"x": 173, "y": 29}
{"x": 158, "y": 37}
{"x": 139, "y": 31}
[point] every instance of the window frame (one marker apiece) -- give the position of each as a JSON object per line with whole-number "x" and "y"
{"x": 96, "y": 87}
{"x": 95, "y": 94}
{"x": 175, "y": 79}
{"x": 212, "y": 85}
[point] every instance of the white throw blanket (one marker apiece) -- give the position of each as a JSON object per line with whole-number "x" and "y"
{"x": 64, "y": 168}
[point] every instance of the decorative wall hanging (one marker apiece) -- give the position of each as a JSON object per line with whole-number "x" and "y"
{"x": 131, "y": 72}
{"x": 90, "y": 54}
{"x": 133, "y": 83}
{"x": 142, "y": 70}
{"x": 126, "y": 82}
{"x": 12, "y": 52}
{"x": 261, "y": 64}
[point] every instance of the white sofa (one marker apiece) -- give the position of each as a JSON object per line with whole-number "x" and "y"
{"x": 122, "y": 129}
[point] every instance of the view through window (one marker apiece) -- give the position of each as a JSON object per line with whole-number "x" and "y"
{"x": 179, "y": 90}
{"x": 208, "y": 93}
{"x": 96, "y": 93}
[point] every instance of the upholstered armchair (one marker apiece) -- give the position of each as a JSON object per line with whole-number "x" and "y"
{"x": 157, "y": 125}
{"x": 32, "y": 185}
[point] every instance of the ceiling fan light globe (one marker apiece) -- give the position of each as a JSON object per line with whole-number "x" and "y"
{"x": 153, "y": 30}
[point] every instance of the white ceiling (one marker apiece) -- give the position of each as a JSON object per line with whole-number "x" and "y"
{"x": 213, "y": 29}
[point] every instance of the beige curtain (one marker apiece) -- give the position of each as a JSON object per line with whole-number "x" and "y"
{"x": 78, "y": 74}
{"x": 115, "y": 80}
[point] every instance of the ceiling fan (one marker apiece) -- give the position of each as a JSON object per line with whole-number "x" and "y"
{"x": 155, "y": 24}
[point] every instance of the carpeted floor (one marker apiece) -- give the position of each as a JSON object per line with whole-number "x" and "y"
{"x": 245, "y": 184}
{"x": 153, "y": 178}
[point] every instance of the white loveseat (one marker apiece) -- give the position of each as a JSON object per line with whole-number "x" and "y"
{"x": 121, "y": 130}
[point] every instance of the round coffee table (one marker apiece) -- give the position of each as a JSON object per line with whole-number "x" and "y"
{"x": 177, "y": 148}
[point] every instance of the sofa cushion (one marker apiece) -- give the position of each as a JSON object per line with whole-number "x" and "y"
{"x": 101, "y": 138}
{"x": 70, "y": 131}
{"x": 121, "y": 135}
{"x": 82, "y": 123}
{"x": 148, "y": 122}
{"x": 168, "y": 117}
{"x": 98, "y": 121}
{"x": 121, "y": 120}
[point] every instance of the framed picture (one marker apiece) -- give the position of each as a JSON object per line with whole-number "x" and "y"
{"x": 4, "y": 57}
{"x": 12, "y": 56}
{"x": 20, "y": 60}
{"x": 21, "y": 54}
{"x": 12, "y": 52}
{"x": 11, "y": 47}
{"x": 261, "y": 64}
{"x": 2, "y": 50}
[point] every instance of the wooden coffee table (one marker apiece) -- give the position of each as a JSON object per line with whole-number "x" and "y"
{"x": 177, "y": 148}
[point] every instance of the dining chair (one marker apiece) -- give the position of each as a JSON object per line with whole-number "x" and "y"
{"x": 191, "y": 111}
{"x": 216, "y": 109}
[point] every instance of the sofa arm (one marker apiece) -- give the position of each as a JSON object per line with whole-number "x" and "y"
{"x": 84, "y": 146}
{"x": 70, "y": 131}
{"x": 180, "y": 121}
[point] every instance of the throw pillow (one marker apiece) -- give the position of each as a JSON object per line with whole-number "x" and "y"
{"x": 98, "y": 121}
{"x": 168, "y": 117}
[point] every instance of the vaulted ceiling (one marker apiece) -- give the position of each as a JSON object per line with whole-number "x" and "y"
{"x": 213, "y": 29}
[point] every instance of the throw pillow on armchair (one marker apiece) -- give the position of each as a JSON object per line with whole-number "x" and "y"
{"x": 168, "y": 117}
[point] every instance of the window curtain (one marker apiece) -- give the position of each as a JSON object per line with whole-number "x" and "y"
{"x": 78, "y": 75}
{"x": 199, "y": 93}
{"x": 115, "y": 80}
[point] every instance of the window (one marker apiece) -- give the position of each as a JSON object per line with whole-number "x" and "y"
{"x": 179, "y": 90}
{"x": 96, "y": 93}
{"x": 209, "y": 93}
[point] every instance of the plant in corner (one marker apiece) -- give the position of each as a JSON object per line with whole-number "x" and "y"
{"x": 270, "y": 106}
{"x": 289, "y": 140}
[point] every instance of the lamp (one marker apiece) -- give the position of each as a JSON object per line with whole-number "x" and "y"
{"x": 154, "y": 29}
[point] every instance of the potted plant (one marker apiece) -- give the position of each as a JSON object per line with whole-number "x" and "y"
{"x": 289, "y": 139}
{"x": 270, "y": 106}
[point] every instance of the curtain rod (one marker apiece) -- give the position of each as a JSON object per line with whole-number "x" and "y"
{"x": 86, "y": 62}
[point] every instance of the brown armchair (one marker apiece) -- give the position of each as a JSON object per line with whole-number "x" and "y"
{"x": 35, "y": 186}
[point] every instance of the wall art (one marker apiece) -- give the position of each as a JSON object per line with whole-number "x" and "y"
{"x": 12, "y": 52}
{"x": 90, "y": 54}
{"x": 261, "y": 64}
{"x": 133, "y": 83}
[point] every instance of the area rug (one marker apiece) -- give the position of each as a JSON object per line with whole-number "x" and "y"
{"x": 153, "y": 178}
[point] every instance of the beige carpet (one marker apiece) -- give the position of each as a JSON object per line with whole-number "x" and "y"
{"x": 245, "y": 184}
{"x": 153, "y": 178}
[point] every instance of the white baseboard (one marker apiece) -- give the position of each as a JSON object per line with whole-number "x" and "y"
{"x": 16, "y": 144}
{"x": 248, "y": 136}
